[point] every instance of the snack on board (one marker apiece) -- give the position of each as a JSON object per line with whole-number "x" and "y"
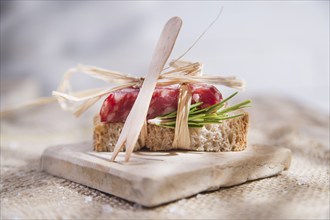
{"x": 174, "y": 109}
{"x": 223, "y": 132}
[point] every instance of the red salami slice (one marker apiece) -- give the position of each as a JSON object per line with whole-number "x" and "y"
{"x": 118, "y": 104}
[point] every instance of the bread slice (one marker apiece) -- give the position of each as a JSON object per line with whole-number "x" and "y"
{"x": 230, "y": 135}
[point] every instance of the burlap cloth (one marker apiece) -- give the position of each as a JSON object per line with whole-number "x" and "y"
{"x": 302, "y": 192}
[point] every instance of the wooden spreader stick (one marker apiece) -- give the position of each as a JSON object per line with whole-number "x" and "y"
{"x": 138, "y": 113}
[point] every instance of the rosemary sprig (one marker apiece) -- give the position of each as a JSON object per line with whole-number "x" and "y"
{"x": 199, "y": 117}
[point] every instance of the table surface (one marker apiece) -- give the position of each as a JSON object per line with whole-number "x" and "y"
{"x": 301, "y": 192}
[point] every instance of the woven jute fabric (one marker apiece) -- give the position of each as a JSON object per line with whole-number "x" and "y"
{"x": 302, "y": 192}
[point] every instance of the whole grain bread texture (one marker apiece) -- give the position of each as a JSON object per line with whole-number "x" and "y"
{"x": 230, "y": 135}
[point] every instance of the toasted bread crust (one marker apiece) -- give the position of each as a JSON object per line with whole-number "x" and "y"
{"x": 230, "y": 135}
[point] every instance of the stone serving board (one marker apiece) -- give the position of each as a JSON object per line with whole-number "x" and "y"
{"x": 154, "y": 178}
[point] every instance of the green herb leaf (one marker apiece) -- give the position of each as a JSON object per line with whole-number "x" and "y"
{"x": 214, "y": 114}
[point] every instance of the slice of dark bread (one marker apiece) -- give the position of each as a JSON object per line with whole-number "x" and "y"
{"x": 230, "y": 135}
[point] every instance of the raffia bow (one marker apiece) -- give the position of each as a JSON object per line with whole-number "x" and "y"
{"x": 181, "y": 72}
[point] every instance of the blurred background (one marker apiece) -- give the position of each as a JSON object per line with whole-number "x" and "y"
{"x": 279, "y": 48}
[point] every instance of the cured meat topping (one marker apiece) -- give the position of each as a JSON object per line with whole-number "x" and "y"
{"x": 118, "y": 104}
